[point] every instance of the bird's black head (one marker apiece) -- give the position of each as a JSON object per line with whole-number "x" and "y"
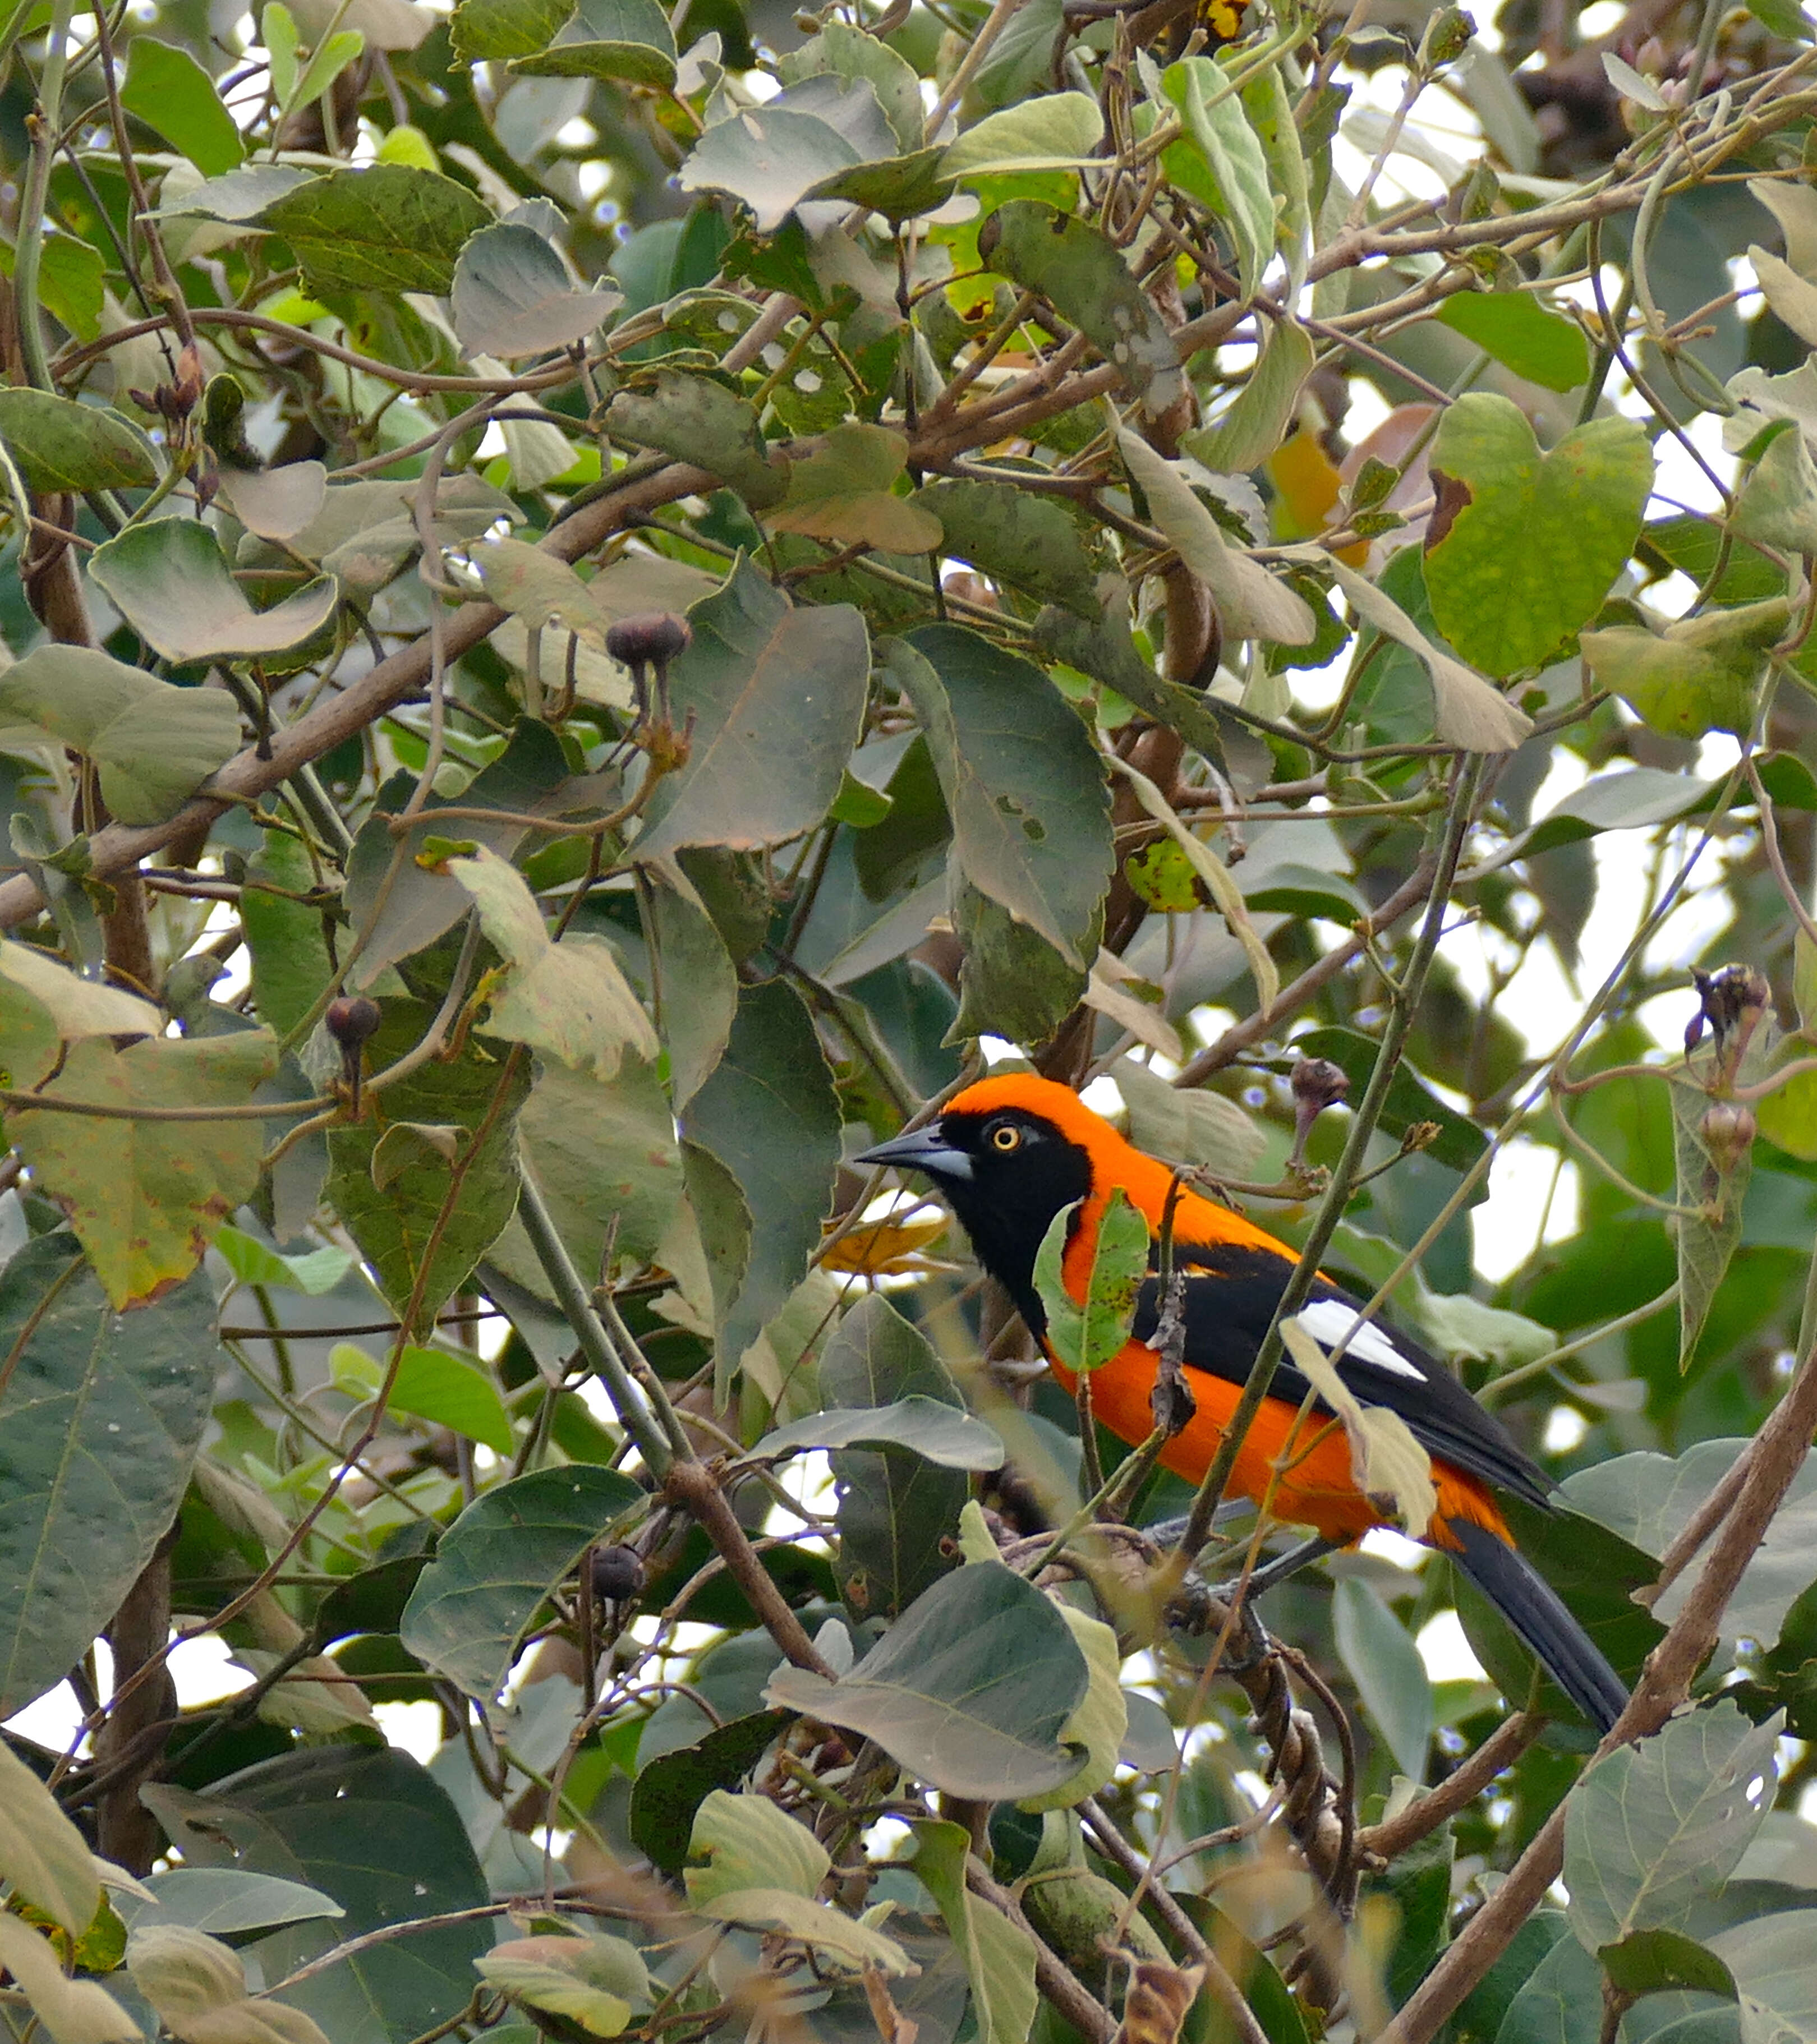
{"x": 1007, "y": 1166}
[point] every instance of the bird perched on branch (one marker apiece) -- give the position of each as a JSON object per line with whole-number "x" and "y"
{"x": 1011, "y": 1153}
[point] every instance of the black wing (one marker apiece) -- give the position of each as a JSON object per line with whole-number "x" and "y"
{"x": 1227, "y": 1312}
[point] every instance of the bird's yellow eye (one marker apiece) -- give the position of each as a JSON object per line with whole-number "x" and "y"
{"x": 1006, "y": 1136}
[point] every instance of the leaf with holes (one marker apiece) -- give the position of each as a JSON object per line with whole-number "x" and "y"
{"x": 1651, "y": 1829}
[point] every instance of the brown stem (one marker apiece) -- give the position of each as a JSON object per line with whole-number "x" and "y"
{"x": 1055, "y": 1978}
{"x": 1466, "y": 1782}
{"x": 340, "y": 717}
{"x": 1777, "y": 1455}
{"x": 692, "y": 1483}
{"x": 126, "y": 1831}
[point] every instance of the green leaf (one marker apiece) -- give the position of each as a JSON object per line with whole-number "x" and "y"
{"x": 152, "y": 743}
{"x": 593, "y": 1983}
{"x": 494, "y": 30}
{"x": 170, "y": 92}
{"x": 1384, "y": 1664}
{"x": 1220, "y": 127}
{"x": 1659, "y": 1961}
{"x": 768, "y": 1114}
{"x": 44, "y": 1859}
{"x": 329, "y": 59}
{"x": 1189, "y": 1127}
{"x": 605, "y": 1161}
{"x": 222, "y": 1900}
{"x": 1265, "y": 409}
{"x": 170, "y": 582}
{"x": 316, "y": 1272}
{"x": 747, "y": 1842}
{"x": 425, "y": 1230}
{"x": 669, "y": 1789}
{"x": 1775, "y": 1981}
{"x": 432, "y": 1385}
{"x": 72, "y": 282}
{"x": 692, "y": 419}
{"x": 388, "y": 228}
{"x": 1777, "y": 502}
{"x": 1561, "y": 2001}
{"x": 1785, "y": 19}
{"x": 842, "y": 491}
{"x": 279, "y": 29}
{"x": 999, "y": 1955}
{"x": 371, "y": 1829}
{"x": 1536, "y": 540}
{"x": 1016, "y": 536}
{"x": 100, "y": 1420}
{"x": 1056, "y": 131}
{"x": 1251, "y": 603}
{"x": 60, "y": 445}
{"x": 969, "y": 1689}
{"x": 1514, "y": 329}
{"x": 512, "y": 296}
{"x": 1086, "y": 1333}
{"x": 571, "y": 999}
{"x": 145, "y": 1197}
{"x": 1082, "y": 275}
{"x": 850, "y": 54}
{"x": 1713, "y": 1178}
{"x": 1649, "y": 1498}
{"x": 1023, "y": 785}
{"x": 498, "y": 1563}
{"x": 627, "y": 39}
{"x": 896, "y": 1509}
{"x": 1012, "y": 983}
{"x": 397, "y": 913}
{"x": 696, "y": 986}
{"x": 1101, "y": 1723}
{"x": 768, "y": 158}
{"x": 1702, "y": 674}
{"x": 1653, "y": 1828}
{"x": 778, "y": 696}
{"x": 929, "y": 1426}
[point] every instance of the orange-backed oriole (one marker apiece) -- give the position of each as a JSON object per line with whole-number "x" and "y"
{"x": 1010, "y": 1153}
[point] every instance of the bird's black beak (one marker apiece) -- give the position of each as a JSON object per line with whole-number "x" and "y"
{"x": 924, "y": 1150}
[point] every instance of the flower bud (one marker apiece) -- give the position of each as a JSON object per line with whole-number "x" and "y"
{"x": 350, "y": 1022}
{"x": 618, "y": 1573}
{"x": 651, "y": 638}
{"x": 1727, "y": 1131}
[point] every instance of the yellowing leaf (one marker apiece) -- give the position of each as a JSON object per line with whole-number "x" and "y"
{"x": 146, "y": 1196}
{"x": 882, "y": 1248}
{"x": 843, "y": 491}
{"x": 570, "y": 999}
{"x": 1387, "y": 1462}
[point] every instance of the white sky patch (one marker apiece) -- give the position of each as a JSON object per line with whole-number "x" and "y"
{"x": 1533, "y": 1200}
{"x": 414, "y": 1728}
{"x": 1447, "y": 1653}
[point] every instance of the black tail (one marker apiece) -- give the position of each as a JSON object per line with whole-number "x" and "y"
{"x": 1535, "y": 1611}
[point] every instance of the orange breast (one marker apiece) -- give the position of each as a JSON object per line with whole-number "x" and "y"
{"x": 1318, "y": 1488}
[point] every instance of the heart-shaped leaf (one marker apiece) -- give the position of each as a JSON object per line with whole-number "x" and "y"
{"x": 1525, "y": 545}
{"x": 171, "y": 584}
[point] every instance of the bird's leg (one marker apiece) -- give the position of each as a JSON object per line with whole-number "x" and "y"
{"x": 1193, "y": 1604}
{"x": 1280, "y": 1568}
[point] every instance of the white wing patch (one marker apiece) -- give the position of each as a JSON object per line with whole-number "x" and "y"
{"x": 1329, "y": 1320}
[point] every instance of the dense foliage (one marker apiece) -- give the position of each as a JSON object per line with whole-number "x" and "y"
{"x": 602, "y": 601}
